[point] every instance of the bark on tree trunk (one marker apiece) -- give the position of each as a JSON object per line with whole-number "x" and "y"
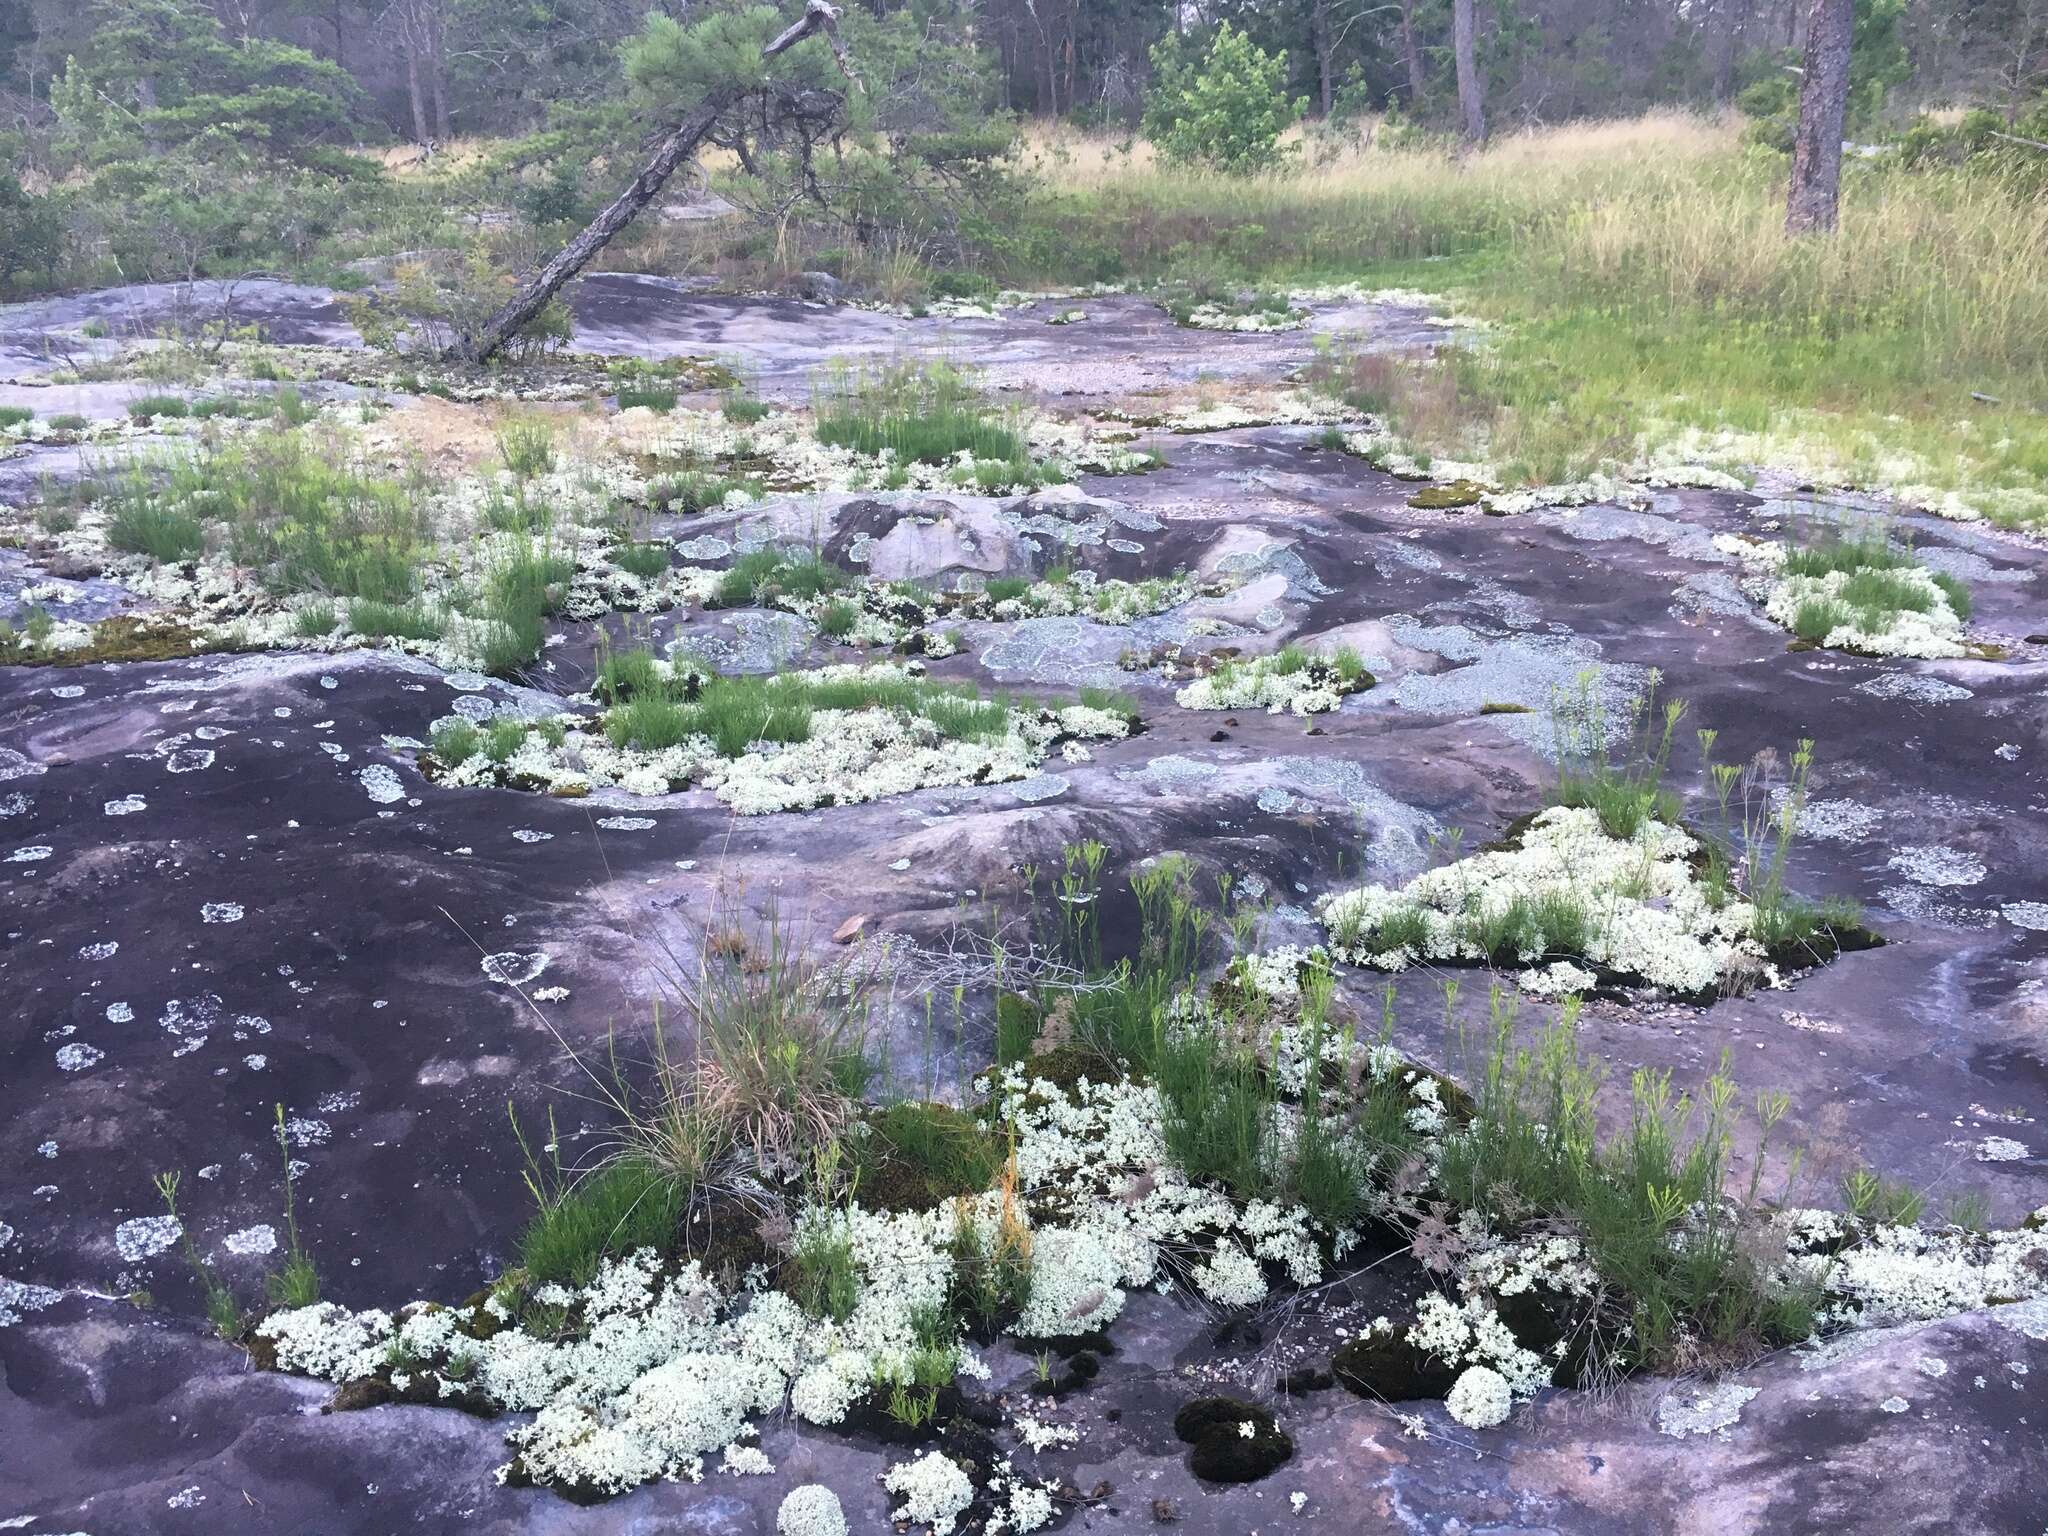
{"x": 680, "y": 143}
{"x": 1319, "y": 25}
{"x": 1412, "y": 54}
{"x": 412, "y": 84}
{"x": 437, "y": 77}
{"x": 820, "y": 19}
{"x": 1471, "y": 103}
{"x": 1823, "y": 104}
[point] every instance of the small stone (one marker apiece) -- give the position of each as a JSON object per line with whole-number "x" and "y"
{"x": 850, "y": 930}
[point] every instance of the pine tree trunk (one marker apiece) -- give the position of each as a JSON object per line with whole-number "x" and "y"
{"x": 1811, "y": 203}
{"x": 420, "y": 132}
{"x": 437, "y": 78}
{"x": 1412, "y": 55}
{"x": 1319, "y": 24}
{"x": 680, "y": 143}
{"x": 1471, "y": 101}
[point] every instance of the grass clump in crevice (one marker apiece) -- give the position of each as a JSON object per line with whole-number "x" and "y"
{"x": 920, "y": 413}
{"x": 1624, "y": 790}
{"x": 1684, "y": 1276}
{"x": 607, "y": 1213}
{"x": 762, "y": 577}
{"x": 168, "y": 534}
{"x": 656, "y": 706}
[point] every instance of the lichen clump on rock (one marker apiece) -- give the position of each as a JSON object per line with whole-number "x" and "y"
{"x": 837, "y": 735}
{"x": 1859, "y": 593}
{"x": 1291, "y": 681}
{"x": 1633, "y": 907}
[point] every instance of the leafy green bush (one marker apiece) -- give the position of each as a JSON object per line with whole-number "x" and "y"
{"x": 1225, "y": 110}
{"x": 150, "y": 407}
{"x": 31, "y": 236}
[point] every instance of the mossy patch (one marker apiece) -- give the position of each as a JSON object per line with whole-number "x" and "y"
{"x": 1223, "y": 1451}
{"x": 916, "y": 1156}
{"x": 124, "y": 639}
{"x": 1450, "y": 495}
{"x": 1387, "y": 1368}
{"x": 1065, "y": 1065}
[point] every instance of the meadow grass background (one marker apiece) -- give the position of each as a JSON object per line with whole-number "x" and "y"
{"x": 1639, "y": 292}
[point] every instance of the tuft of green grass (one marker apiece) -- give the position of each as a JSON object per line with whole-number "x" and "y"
{"x": 689, "y": 492}
{"x": 744, "y": 408}
{"x": 167, "y": 534}
{"x": 1865, "y": 550}
{"x": 918, "y": 413}
{"x": 526, "y": 585}
{"x": 647, "y": 559}
{"x": 1625, "y": 788}
{"x": 151, "y": 407}
{"x": 1817, "y": 618}
{"x": 837, "y": 618}
{"x": 1003, "y": 589}
{"x": 15, "y": 415}
{"x": 316, "y": 619}
{"x": 404, "y": 621}
{"x": 615, "y": 1210}
{"x": 647, "y": 397}
{"x": 527, "y": 447}
{"x": 765, "y": 574}
{"x": 455, "y": 742}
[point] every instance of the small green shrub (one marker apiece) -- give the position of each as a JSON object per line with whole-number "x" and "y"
{"x": 291, "y": 408}
{"x": 1225, "y": 110}
{"x": 14, "y": 416}
{"x": 150, "y": 407}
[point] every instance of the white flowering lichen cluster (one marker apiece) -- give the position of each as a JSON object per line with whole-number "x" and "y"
{"x": 1480, "y": 1398}
{"x": 1631, "y": 906}
{"x": 935, "y": 1491}
{"x": 1930, "y": 633}
{"x": 1225, "y": 317}
{"x": 848, "y": 757}
{"x": 875, "y": 613}
{"x": 1287, "y": 682}
{"x": 812, "y": 1510}
{"x": 1880, "y": 1273}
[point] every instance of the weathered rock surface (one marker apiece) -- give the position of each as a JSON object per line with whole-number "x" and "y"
{"x": 249, "y": 897}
